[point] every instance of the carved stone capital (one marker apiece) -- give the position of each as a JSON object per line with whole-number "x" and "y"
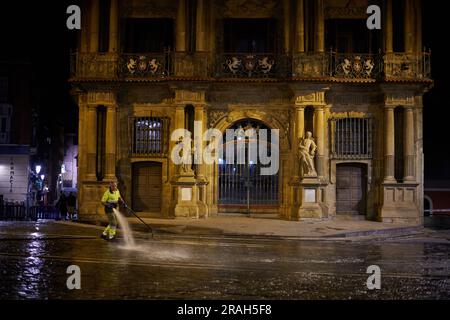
{"x": 395, "y": 99}
{"x": 315, "y": 98}
{"x": 101, "y": 97}
{"x": 183, "y": 97}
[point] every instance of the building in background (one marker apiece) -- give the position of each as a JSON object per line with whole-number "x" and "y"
{"x": 67, "y": 181}
{"x": 15, "y": 129}
{"x": 145, "y": 68}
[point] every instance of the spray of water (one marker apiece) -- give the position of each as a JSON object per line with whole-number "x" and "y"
{"x": 125, "y": 228}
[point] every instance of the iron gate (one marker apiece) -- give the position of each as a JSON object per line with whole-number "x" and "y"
{"x": 242, "y": 185}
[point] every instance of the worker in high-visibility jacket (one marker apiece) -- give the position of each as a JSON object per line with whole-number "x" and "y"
{"x": 111, "y": 199}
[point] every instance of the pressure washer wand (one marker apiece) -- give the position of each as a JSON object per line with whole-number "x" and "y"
{"x": 134, "y": 213}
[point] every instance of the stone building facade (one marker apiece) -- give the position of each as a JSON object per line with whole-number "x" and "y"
{"x": 147, "y": 67}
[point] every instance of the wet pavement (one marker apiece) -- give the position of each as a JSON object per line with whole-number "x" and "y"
{"x": 34, "y": 257}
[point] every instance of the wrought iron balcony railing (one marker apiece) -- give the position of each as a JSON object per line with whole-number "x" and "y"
{"x": 94, "y": 65}
{"x": 355, "y": 66}
{"x": 407, "y": 65}
{"x": 336, "y": 65}
{"x": 251, "y": 65}
{"x": 145, "y": 65}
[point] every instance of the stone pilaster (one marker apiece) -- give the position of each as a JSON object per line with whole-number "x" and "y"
{"x": 319, "y": 133}
{"x": 180, "y": 36}
{"x": 91, "y": 137}
{"x": 299, "y": 125}
{"x": 201, "y": 27}
{"x": 111, "y": 138}
{"x": 388, "y": 30}
{"x": 418, "y": 31}
{"x": 319, "y": 26}
{"x": 114, "y": 27}
{"x": 94, "y": 26}
{"x": 200, "y": 126}
{"x": 84, "y": 32}
{"x": 300, "y": 27}
{"x": 389, "y": 146}
{"x": 287, "y": 26}
{"x": 408, "y": 150}
{"x": 409, "y": 26}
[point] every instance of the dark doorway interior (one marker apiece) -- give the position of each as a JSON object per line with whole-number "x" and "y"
{"x": 148, "y": 35}
{"x": 351, "y": 36}
{"x": 249, "y": 35}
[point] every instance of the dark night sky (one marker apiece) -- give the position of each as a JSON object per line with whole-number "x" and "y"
{"x": 37, "y": 31}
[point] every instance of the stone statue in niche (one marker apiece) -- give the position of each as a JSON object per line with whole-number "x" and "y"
{"x": 307, "y": 151}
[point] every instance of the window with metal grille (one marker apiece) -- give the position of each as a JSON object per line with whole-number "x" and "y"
{"x": 352, "y": 138}
{"x": 150, "y": 136}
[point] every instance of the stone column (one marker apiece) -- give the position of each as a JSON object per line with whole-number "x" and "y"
{"x": 389, "y": 146}
{"x": 319, "y": 27}
{"x": 300, "y": 117}
{"x": 298, "y": 136}
{"x": 409, "y": 26}
{"x": 84, "y": 42}
{"x": 91, "y": 137}
{"x": 408, "y": 147}
{"x": 320, "y": 138}
{"x": 300, "y": 27}
{"x": 94, "y": 26}
{"x": 181, "y": 26}
{"x": 111, "y": 142}
{"x": 198, "y": 139}
{"x": 388, "y": 31}
{"x": 418, "y": 14}
{"x": 287, "y": 25}
{"x": 114, "y": 27}
{"x": 200, "y": 44}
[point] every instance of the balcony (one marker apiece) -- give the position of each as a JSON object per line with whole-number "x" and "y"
{"x": 407, "y": 66}
{"x": 324, "y": 66}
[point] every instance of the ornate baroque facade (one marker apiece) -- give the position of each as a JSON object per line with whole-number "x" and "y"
{"x": 364, "y": 110}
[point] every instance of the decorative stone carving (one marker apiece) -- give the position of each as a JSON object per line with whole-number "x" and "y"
{"x": 249, "y": 8}
{"x": 189, "y": 97}
{"x": 348, "y": 9}
{"x": 311, "y": 98}
{"x": 354, "y": 98}
{"x": 100, "y": 97}
{"x": 150, "y": 9}
{"x": 399, "y": 99}
{"x": 350, "y": 114}
{"x": 214, "y": 116}
{"x": 307, "y": 150}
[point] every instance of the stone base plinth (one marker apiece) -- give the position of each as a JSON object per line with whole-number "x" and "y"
{"x": 308, "y": 199}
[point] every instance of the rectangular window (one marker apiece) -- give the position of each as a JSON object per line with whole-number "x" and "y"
{"x": 352, "y": 138}
{"x": 150, "y": 136}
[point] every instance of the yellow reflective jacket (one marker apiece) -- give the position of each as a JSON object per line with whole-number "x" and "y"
{"x": 111, "y": 197}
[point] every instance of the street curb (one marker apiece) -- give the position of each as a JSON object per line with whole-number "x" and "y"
{"x": 365, "y": 233}
{"x": 185, "y": 230}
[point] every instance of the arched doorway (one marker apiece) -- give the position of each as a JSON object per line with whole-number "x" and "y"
{"x": 241, "y": 186}
{"x": 147, "y": 186}
{"x": 351, "y": 188}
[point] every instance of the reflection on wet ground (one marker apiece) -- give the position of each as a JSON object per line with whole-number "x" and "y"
{"x": 34, "y": 258}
